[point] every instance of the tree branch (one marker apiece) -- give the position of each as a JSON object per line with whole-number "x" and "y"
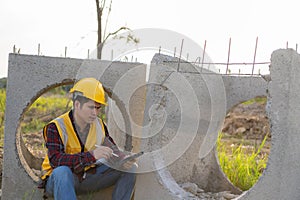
{"x": 114, "y": 33}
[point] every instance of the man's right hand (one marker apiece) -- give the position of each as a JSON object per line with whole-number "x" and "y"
{"x": 102, "y": 152}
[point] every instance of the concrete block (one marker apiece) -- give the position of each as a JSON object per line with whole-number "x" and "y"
{"x": 184, "y": 111}
{"x": 28, "y": 78}
{"x": 281, "y": 178}
{"x": 174, "y": 118}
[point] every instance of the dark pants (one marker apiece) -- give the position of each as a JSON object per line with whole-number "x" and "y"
{"x": 63, "y": 184}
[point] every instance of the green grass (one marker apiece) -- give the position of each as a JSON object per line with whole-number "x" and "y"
{"x": 2, "y": 111}
{"x": 242, "y": 166}
{"x": 261, "y": 100}
{"x": 44, "y": 109}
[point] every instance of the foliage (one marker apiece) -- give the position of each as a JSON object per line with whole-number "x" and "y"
{"x": 44, "y": 109}
{"x": 62, "y": 90}
{"x": 2, "y": 100}
{"x": 241, "y": 167}
{"x": 261, "y": 100}
{"x": 2, "y": 111}
{"x": 3, "y": 82}
{"x": 49, "y": 104}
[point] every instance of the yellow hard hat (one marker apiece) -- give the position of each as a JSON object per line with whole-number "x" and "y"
{"x": 91, "y": 89}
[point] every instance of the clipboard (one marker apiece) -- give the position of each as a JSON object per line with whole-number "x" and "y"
{"x": 119, "y": 163}
{"x": 129, "y": 158}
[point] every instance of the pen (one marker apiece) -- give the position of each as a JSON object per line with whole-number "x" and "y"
{"x": 96, "y": 145}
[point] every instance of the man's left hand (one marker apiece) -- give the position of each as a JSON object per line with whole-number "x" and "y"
{"x": 128, "y": 164}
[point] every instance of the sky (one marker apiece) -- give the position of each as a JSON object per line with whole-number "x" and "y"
{"x": 58, "y": 24}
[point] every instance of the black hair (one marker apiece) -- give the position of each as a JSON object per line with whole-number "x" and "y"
{"x": 82, "y": 100}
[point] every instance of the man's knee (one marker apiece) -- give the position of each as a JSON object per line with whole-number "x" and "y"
{"x": 62, "y": 172}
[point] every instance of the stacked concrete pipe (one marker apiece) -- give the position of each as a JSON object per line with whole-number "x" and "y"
{"x": 181, "y": 111}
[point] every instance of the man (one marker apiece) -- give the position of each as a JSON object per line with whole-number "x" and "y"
{"x": 75, "y": 141}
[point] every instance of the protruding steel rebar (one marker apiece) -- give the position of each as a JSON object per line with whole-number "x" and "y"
{"x": 254, "y": 55}
{"x": 228, "y": 55}
{"x": 180, "y": 55}
{"x": 203, "y": 55}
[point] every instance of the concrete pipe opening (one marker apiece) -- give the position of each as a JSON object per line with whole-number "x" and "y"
{"x": 205, "y": 178}
{"x": 50, "y": 103}
{"x": 179, "y": 134}
{"x": 244, "y": 143}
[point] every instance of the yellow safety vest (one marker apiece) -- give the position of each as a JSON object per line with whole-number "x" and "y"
{"x": 71, "y": 142}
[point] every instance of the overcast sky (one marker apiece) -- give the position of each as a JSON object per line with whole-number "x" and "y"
{"x": 72, "y": 23}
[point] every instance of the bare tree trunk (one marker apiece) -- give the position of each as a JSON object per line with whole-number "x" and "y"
{"x": 99, "y": 42}
{"x": 102, "y": 39}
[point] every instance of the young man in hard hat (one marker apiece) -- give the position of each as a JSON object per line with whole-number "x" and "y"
{"x": 75, "y": 141}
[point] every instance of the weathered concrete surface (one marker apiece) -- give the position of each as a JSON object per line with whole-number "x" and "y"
{"x": 281, "y": 179}
{"x": 242, "y": 88}
{"x": 183, "y": 111}
{"x": 180, "y": 111}
{"x": 28, "y": 78}
{"x": 133, "y": 96}
{"x": 201, "y": 114}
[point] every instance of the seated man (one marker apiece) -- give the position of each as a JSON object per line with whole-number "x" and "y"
{"x": 75, "y": 141}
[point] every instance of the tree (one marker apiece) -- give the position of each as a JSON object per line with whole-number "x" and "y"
{"x": 102, "y": 38}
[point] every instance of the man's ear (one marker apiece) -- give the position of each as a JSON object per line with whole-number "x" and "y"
{"x": 76, "y": 104}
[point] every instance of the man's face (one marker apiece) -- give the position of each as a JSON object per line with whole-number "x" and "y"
{"x": 88, "y": 111}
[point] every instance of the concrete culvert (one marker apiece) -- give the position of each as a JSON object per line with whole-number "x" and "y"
{"x": 28, "y": 78}
{"x": 29, "y": 137}
{"x": 195, "y": 156}
{"x": 52, "y": 103}
{"x": 183, "y": 112}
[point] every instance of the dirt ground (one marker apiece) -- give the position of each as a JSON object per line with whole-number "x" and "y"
{"x": 247, "y": 124}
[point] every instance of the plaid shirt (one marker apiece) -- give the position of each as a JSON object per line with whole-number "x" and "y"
{"x": 56, "y": 151}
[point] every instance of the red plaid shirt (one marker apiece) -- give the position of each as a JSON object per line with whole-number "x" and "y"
{"x": 57, "y": 155}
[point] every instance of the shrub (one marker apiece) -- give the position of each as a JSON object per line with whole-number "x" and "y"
{"x": 243, "y": 168}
